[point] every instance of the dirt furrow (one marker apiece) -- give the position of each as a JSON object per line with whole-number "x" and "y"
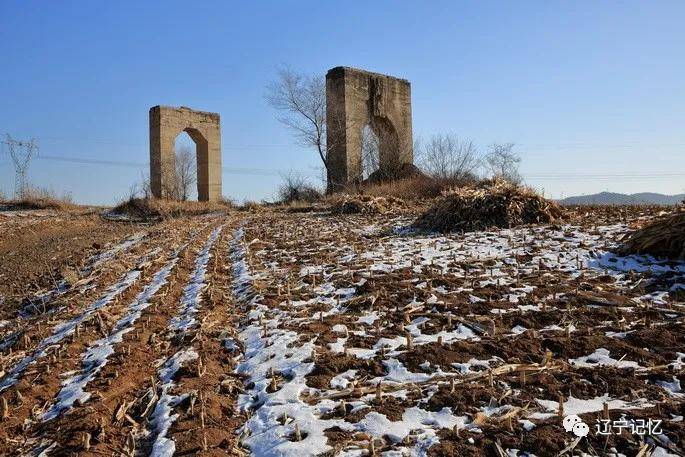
{"x": 105, "y": 422}
{"x": 35, "y": 259}
{"x": 127, "y": 389}
{"x": 209, "y": 426}
{"x": 59, "y": 355}
{"x": 35, "y": 327}
{"x": 39, "y": 303}
{"x": 183, "y": 328}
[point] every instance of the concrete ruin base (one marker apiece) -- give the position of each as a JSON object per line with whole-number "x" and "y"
{"x": 356, "y": 98}
{"x": 166, "y": 123}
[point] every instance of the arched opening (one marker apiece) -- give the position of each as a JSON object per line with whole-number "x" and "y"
{"x": 388, "y": 146}
{"x": 380, "y": 150}
{"x": 370, "y": 151}
{"x": 185, "y": 168}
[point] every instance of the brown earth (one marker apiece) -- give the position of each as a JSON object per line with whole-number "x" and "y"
{"x": 40, "y": 246}
{"x": 36, "y": 256}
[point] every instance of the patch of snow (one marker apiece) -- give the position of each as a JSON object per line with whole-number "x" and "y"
{"x": 601, "y": 358}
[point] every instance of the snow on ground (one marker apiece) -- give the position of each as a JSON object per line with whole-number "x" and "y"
{"x": 163, "y": 417}
{"x": 65, "y": 329}
{"x": 322, "y": 281}
{"x": 98, "y": 353}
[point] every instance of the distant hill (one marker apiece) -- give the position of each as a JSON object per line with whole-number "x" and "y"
{"x": 612, "y": 198}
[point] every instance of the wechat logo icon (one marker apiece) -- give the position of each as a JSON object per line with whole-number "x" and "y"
{"x": 574, "y": 424}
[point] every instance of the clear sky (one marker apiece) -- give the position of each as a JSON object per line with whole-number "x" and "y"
{"x": 592, "y": 93}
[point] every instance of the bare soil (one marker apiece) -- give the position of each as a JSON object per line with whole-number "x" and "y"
{"x": 40, "y": 248}
{"x": 366, "y": 322}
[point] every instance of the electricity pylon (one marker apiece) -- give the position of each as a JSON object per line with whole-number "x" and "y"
{"x": 21, "y": 152}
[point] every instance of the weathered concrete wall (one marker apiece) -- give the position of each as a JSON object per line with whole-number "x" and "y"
{"x": 204, "y": 128}
{"x": 355, "y": 98}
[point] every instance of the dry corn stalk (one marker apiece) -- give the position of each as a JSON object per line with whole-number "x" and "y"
{"x": 354, "y": 391}
{"x": 492, "y": 204}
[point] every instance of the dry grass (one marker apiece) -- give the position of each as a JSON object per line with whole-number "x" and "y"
{"x": 152, "y": 209}
{"x": 414, "y": 188}
{"x": 39, "y": 198}
{"x": 664, "y": 237}
{"x": 365, "y": 204}
{"x": 251, "y": 206}
{"x": 489, "y": 204}
{"x": 360, "y": 198}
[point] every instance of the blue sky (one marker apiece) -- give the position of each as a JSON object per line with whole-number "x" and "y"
{"x": 592, "y": 93}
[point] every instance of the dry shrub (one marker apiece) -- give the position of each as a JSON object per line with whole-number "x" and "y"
{"x": 365, "y": 204}
{"x": 493, "y": 203}
{"x": 152, "y": 209}
{"x": 664, "y": 237}
{"x": 299, "y": 206}
{"x": 296, "y": 189}
{"x": 250, "y": 206}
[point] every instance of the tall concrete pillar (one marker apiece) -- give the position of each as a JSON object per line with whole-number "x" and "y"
{"x": 356, "y": 98}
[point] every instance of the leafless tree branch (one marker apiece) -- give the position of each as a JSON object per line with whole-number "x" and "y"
{"x": 503, "y": 162}
{"x": 301, "y": 100}
{"x": 445, "y": 156}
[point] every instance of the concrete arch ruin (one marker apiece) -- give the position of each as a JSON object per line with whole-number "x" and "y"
{"x": 166, "y": 123}
{"x": 356, "y": 98}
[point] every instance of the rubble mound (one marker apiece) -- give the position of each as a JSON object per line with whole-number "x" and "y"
{"x": 139, "y": 209}
{"x": 489, "y": 204}
{"x": 664, "y": 237}
{"x": 405, "y": 171}
{"x": 155, "y": 210}
{"x": 365, "y": 204}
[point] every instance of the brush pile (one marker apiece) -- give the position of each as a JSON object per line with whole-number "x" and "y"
{"x": 365, "y": 204}
{"x": 487, "y": 205}
{"x": 664, "y": 237}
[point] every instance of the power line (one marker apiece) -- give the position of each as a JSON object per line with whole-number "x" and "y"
{"x": 88, "y": 161}
{"x": 116, "y": 142}
{"x": 547, "y": 176}
{"x": 254, "y": 171}
{"x": 122, "y": 163}
{"x": 628, "y": 144}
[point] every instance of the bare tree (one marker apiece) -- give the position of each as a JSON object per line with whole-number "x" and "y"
{"x": 180, "y": 175}
{"x": 296, "y": 188}
{"x": 145, "y": 186}
{"x": 169, "y": 183}
{"x": 186, "y": 172}
{"x": 445, "y": 156}
{"x": 503, "y": 162}
{"x": 301, "y": 100}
